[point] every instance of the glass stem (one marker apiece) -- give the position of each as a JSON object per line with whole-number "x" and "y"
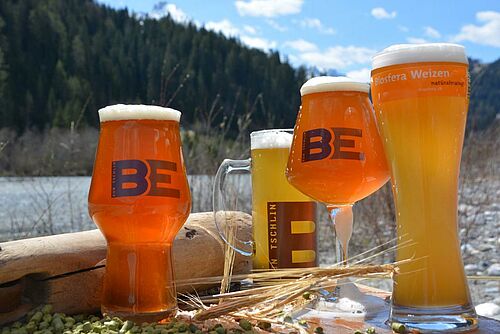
{"x": 342, "y": 219}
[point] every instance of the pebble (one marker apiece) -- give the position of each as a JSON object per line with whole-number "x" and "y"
{"x": 494, "y": 270}
{"x": 471, "y": 267}
{"x": 488, "y": 309}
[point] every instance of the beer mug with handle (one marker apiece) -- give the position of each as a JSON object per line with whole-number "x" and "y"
{"x": 420, "y": 95}
{"x": 284, "y": 219}
{"x": 139, "y": 198}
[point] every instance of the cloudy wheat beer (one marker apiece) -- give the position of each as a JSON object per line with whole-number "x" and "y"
{"x": 420, "y": 94}
{"x": 139, "y": 197}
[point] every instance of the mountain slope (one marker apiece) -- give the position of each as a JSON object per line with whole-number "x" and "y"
{"x": 61, "y": 57}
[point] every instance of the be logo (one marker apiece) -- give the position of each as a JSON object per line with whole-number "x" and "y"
{"x": 134, "y": 177}
{"x": 316, "y": 144}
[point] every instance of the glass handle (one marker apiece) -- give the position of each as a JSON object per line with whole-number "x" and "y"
{"x": 220, "y": 200}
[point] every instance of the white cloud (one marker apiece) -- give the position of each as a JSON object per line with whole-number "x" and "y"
{"x": 225, "y": 27}
{"x": 315, "y": 23}
{"x": 268, "y": 8}
{"x": 258, "y": 43}
{"x": 403, "y": 28}
{"x": 163, "y": 9}
{"x": 487, "y": 34}
{"x": 301, "y": 45}
{"x": 276, "y": 25}
{"x": 380, "y": 13}
{"x": 431, "y": 32}
{"x": 249, "y": 29}
{"x": 338, "y": 57}
{"x": 361, "y": 74}
{"x": 416, "y": 40}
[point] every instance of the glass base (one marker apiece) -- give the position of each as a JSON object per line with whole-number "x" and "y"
{"x": 140, "y": 317}
{"x": 454, "y": 319}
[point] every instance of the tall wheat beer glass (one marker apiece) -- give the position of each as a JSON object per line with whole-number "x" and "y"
{"x": 139, "y": 197}
{"x": 420, "y": 95}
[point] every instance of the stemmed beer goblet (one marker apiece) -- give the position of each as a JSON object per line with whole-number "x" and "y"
{"x": 337, "y": 156}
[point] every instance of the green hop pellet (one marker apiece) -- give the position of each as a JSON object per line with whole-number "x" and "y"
{"x": 319, "y": 330}
{"x": 79, "y": 317}
{"x": 220, "y": 330}
{"x": 193, "y": 328}
{"x": 264, "y": 325}
{"x": 126, "y": 326}
{"x": 86, "y": 327}
{"x": 358, "y": 332}
{"x": 57, "y": 324}
{"x": 245, "y": 324}
{"x": 37, "y": 317}
{"x": 47, "y": 317}
{"x": 371, "y": 330}
{"x": 31, "y": 327}
{"x": 306, "y": 295}
{"x": 398, "y": 328}
{"x": 303, "y": 322}
{"x": 288, "y": 319}
{"x": 17, "y": 324}
{"x": 97, "y": 329}
{"x": 47, "y": 309}
{"x": 182, "y": 327}
{"x": 43, "y": 325}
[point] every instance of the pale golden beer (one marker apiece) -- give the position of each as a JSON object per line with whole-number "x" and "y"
{"x": 284, "y": 220}
{"x": 139, "y": 198}
{"x": 284, "y": 224}
{"x": 420, "y": 95}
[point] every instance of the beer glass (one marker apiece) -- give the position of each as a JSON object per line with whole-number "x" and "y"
{"x": 337, "y": 156}
{"x": 139, "y": 198}
{"x": 284, "y": 220}
{"x": 420, "y": 94}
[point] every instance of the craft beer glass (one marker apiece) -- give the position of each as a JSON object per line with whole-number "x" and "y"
{"x": 139, "y": 198}
{"x": 420, "y": 94}
{"x": 337, "y": 156}
{"x": 284, "y": 220}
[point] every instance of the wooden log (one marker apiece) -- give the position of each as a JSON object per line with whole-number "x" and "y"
{"x": 66, "y": 270}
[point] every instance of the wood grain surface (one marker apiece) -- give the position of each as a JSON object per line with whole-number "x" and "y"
{"x": 66, "y": 270}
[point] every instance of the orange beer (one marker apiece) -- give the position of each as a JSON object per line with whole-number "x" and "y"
{"x": 420, "y": 94}
{"x": 139, "y": 198}
{"x": 337, "y": 156}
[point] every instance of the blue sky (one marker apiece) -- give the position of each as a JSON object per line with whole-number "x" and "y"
{"x": 341, "y": 35}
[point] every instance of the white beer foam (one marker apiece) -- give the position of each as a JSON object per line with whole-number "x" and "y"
{"x": 416, "y": 53}
{"x": 120, "y": 112}
{"x": 267, "y": 139}
{"x": 331, "y": 84}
